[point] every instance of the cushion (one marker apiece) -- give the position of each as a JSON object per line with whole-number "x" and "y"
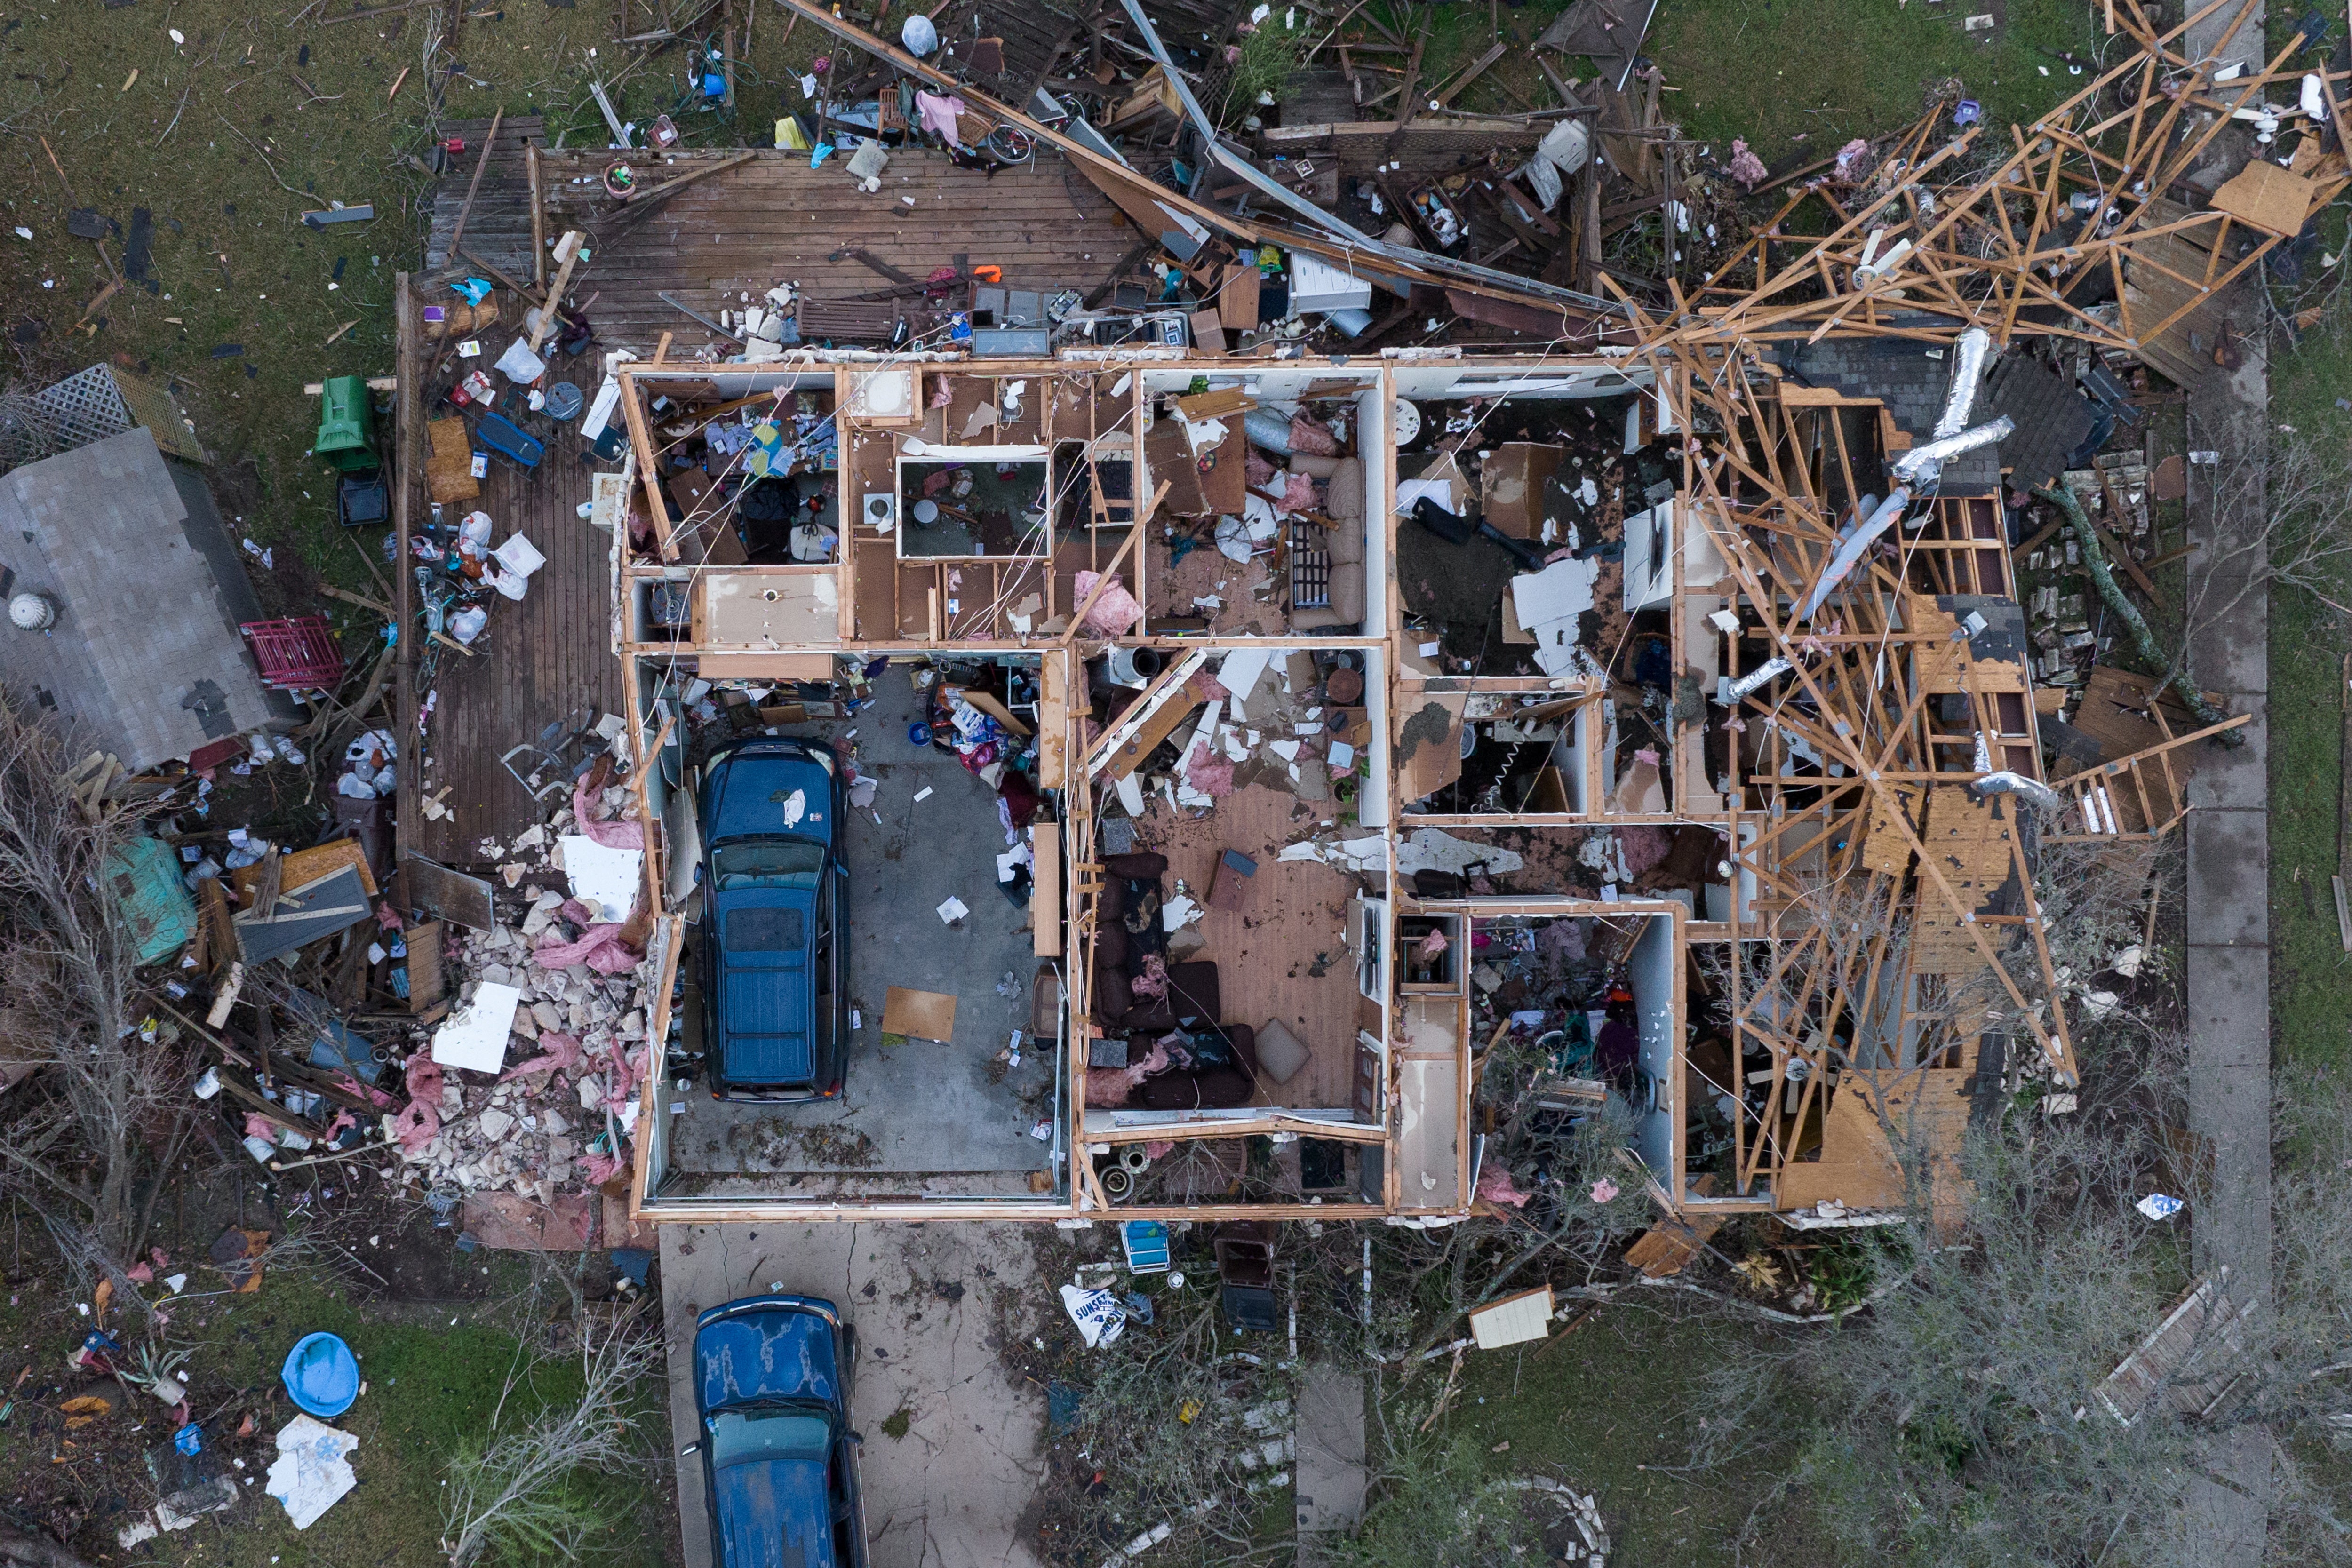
{"x": 1143, "y": 866}
{"x": 1192, "y": 994}
{"x": 1345, "y": 500}
{"x": 1220, "y": 1088}
{"x": 1345, "y": 544}
{"x": 1279, "y": 1053}
{"x": 1110, "y": 903}
{"x": 1111, "y": 945}
{"x": 1112, "y": 999}
{"x": 1348, "y": 592}
{"x": 1046, "y": 1001}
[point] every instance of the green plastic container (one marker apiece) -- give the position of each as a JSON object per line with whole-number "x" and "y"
{"x": 144, "y": 876}
{"x": 347, "y": 425}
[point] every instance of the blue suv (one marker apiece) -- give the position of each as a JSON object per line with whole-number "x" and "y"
{"x": 774, "y": 914}
{"x": 779, "y": 1460}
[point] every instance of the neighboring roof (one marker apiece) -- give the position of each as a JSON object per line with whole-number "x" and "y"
{"x": 145, "y": 659}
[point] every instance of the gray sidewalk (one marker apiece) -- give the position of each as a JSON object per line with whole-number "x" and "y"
{"x": 2227, "y": 990}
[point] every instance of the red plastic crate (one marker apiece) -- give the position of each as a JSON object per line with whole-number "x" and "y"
{"x": 297, "y": 654}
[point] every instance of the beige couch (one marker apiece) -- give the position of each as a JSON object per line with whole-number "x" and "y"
{"x": 1342, "y": 548}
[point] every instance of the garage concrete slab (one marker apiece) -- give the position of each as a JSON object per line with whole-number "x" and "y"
{"x": 910, "y": 1105}
{"x": 925, "y": 1301}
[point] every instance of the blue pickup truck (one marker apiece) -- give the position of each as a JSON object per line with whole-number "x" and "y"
{"x": 775, "y": 916}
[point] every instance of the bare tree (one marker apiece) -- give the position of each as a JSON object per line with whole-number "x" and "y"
{"x": 2295, "y": 497}
{"x": 105, "y": 1112}
{"x": 1979, "y": 1411}
{"x": 516, "y": 1491}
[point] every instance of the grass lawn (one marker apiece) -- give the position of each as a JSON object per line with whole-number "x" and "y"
{"x": 434, "y": 1374}
{"x": 2309, "y": 969}
{"x": 1612, "y": 1409}
{"x": 219, "y": 141}
{"x": 1774, "y": 71}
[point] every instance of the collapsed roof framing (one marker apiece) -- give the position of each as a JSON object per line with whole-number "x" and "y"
{"x": 1885, "y": 933}
{"x": 1947, "y": 236}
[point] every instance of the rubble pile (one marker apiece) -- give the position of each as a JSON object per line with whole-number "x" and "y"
{"x": 558, "y": 1115}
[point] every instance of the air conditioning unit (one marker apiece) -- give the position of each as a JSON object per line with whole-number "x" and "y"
{"x": 879, "y": 511}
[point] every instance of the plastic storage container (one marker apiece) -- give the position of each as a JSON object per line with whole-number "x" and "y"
{"x": 347, "y": 425}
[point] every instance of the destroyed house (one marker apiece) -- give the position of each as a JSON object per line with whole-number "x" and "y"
{"x": 1223, "y": 775}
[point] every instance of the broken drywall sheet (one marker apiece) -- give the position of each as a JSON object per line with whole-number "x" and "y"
{"x": 1429, "y": 743}
{"x": 313, "y": 1468}
{"x": 1425, "y": 849}
{"x": 1239, "y": 675}
{"x": 1549, "y": 606}
{"x": 606, "y": 880}
{"x": 475, "y": 1036}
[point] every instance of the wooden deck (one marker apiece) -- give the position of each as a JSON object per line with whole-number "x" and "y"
{"x": 774, "y": 220}
{"x": 540, "y": 660}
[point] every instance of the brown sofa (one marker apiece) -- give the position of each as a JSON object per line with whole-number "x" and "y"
{"x": 1191, "y": 996}
{"x": 1207, "y": 1088}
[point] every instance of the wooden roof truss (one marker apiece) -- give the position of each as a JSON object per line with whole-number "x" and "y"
{"x": 1996, "y": 240}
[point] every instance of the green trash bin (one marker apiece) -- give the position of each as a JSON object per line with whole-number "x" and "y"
{"x": 347, "y": 425}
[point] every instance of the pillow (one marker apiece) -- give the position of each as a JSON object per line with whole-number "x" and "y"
{"x": 1279, "y": 1053}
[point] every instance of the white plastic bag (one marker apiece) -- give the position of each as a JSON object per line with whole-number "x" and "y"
{"x": 1101, "y": 1316}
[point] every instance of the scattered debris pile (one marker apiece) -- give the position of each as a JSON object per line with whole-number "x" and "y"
{"x": 560, "y": 989}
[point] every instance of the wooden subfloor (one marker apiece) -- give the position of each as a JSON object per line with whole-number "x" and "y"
{"x": 1293, "y": 925}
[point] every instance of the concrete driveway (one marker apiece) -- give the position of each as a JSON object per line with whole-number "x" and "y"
{"x": 950, "y": 1492}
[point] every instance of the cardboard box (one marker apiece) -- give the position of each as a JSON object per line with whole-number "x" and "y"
{"x": 1511, "y": 486}
{"x": 994, "y": 709}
